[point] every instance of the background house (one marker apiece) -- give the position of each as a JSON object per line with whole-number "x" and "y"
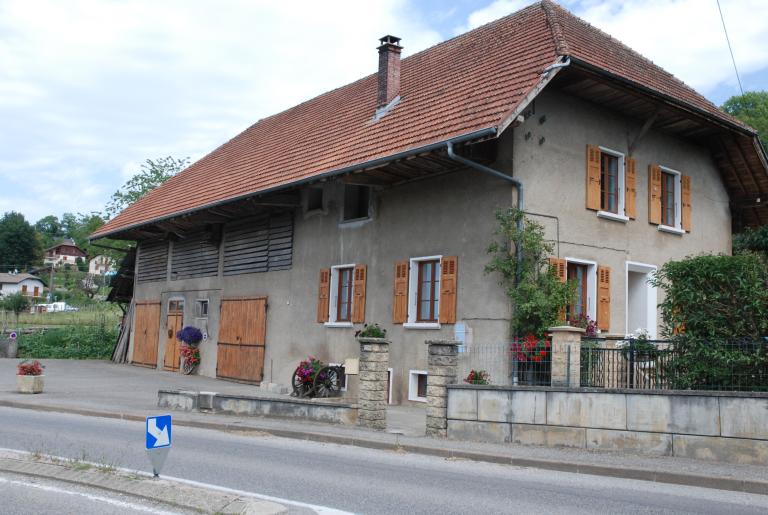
{"x": 100, "y": 265}
{"x": 376, "y": 202}
{"x": 65, "y": 253}
{"x": 26, "y": 284}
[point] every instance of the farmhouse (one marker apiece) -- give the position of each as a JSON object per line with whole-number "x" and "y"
{"x": 26, "y": 284}
{"x": 376, "y": 202}
{"x": 64, "y": 253}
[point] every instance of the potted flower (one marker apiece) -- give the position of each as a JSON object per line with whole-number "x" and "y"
{"x": 371, "y": 332}
{"x": 478, "y": 377}
{"x": 190, "y": 352}
{"x": 29, "y": 377}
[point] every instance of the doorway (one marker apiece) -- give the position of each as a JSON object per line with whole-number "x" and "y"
{"x": 641, "y": 299}
{"x": 174, "y": 324}
{"x": 242, "y": 339}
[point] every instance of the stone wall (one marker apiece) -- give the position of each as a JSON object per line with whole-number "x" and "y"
{"x": 719, "y": 426}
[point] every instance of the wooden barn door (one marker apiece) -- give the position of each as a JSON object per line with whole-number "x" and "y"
{"x": 174, "y": 323}
{"x": 242, "y": 339}
{"x": 146, "y": 334}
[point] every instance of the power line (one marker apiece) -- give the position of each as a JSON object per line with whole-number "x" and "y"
{"x": 729, "y": 47}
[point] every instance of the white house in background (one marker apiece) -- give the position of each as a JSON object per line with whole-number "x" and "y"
{"x": 26, "y": 284}
{"x": 100, "y": 265}
{"x": 64, "y": 253}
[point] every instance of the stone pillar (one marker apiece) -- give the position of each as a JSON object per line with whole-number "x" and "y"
{"x": 442, "y": 363}
{"x": 566, "y": 356}
{"x": 372, "y": 397}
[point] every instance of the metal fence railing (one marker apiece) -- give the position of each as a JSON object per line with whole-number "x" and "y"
{"x": 524, "y": 361}
{"x": 683, "y": 363}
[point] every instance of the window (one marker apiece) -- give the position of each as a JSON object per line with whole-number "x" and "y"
{"x": 417, "y": 386}
{"x": 201, "y": 309}
{"x": 341, "y": 295}
{"x": 670, "y": 198}
{"x": 424, "y": 292}
{"x": 357, "y": 200}
{"x": 314, "y": 199}
{"x": 175, "y": 306}
{"x": 609, "y": 183}
{"x": 578, "y": 274}
{"x": 344, "y": 294}
{"x": 428, "y": 294}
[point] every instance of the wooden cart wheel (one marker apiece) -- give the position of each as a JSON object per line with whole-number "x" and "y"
{"x": 327, "y": 382}
{"x": 300, "y": 388}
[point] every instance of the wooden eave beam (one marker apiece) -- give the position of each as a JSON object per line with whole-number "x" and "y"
{"x": 643, "y": 130}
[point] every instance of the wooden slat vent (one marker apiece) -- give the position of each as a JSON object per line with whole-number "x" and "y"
{"x": 263, "y": 244}
{"x": 195, "y": 256}
{"x": 153, "y": 261}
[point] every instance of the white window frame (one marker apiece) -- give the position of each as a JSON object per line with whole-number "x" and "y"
{"x": 591, "y": 283}
{"x": 652, "y": 300}
{"x": 413, "y": 385}
{"x": 413, "y": 294}
{"x": 678, "y": 227}
{"x": 391, "y": 373}
{"x": 334, "y": 297}
{"x": 621, "y": 216}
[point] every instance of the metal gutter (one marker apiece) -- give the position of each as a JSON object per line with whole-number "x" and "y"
{"x": 500, "y": 175}
{"x": 482, "y": 133}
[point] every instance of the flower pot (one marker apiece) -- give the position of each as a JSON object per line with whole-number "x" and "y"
{"x": 30, "y": 384}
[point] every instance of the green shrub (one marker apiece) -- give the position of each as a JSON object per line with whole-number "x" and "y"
{"x": 71, "y": 342}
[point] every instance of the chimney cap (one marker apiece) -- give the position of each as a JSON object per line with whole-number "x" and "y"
{"x": 390, "y": 40}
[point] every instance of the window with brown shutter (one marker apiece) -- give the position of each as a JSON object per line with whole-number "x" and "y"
{"x": 323, "y": 295}
{"x": 559, "y": 266}
{"x": 603, "y": 298}
{"x": 630, "y": 186}
{"x": 358, "y": 307}
{"x": 448, "y": 275}
{"x": 427, "y": 291}
{"x": 654, "y": 194}
{"x": 685, "y": 194}
{"x": 400, "y": 301}
{"x": 593, "y": 178}
{"x": 344, "y": 294}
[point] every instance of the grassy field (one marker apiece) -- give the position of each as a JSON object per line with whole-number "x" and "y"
{"x": 106, "y": 314}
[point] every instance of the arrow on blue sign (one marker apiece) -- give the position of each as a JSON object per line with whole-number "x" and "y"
{"x": 158, "y": 432}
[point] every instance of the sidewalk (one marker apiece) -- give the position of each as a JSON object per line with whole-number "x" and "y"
{"x": 104, "y": 389}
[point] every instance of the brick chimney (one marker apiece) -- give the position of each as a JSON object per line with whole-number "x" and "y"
{"x": 389, "y": 70}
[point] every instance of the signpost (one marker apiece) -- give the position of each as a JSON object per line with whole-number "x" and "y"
{"x": 158, "y": 441}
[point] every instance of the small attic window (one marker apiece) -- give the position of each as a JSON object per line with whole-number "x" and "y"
{"x": 314, "y": 199}
{"x": 357, "y": 200}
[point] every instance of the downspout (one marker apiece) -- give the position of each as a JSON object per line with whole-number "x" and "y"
{"x": 518, "y": 186}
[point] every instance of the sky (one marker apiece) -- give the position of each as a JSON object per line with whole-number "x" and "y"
{"x": 90, "y": 89}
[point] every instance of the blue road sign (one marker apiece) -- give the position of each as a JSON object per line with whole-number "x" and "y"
{"x": 158, "y": 432}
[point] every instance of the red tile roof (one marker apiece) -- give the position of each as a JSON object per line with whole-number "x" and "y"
{"x": 466, "y": 84}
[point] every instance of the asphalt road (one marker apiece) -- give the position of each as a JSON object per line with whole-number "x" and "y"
{"x": 359, "y": 480}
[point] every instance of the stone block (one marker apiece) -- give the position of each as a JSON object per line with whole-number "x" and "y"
{"x": 373, "y": 395}
{"x": 448, "y": 371}
{"x": 744, "y": 417}
{"x": 366, "y": 414}
{"x": 437, "y": 402}
{"x": 440, "y": 380}
{"x": 434, "y": 412}
{"x": 528, "y": 407}
{"x": 373, "y": 376}
{"x": 443, "y": 350}
{"x": 479, "y": 431}
{"x": 695, "y": 415}
{"x": 597, "y": 410}
{"x": 371, "y": 385}
{"x": 437, "y": 422}
{"x": 374, "y": 356}
{"x": 462, "y": 404}
{"x": 436, "y": 391}
{"x": 372, "y": 405}
{"x": 635, "y": 441}
{"x": 372, "y": 366}
{"x": 443, "y": 361}
{"x": 378, "y": 425}
{"x": 649, "y": 413}
{"x": 549, "y": 436}
{"x": 731, "y": 450}
{"x": 374, "y": 347}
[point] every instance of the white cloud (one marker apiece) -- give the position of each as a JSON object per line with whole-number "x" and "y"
{"x": 493, "y": 11}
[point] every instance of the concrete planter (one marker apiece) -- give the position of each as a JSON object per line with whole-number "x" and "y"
{"x": 30, "y": 384}
{"x": 365, "y": 339}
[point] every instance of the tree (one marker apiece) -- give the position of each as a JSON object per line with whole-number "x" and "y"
{"x": 19, "y": 246}
{"x": 153, "y": 173}
{"x": 50, "y": 230}
{"x": 752, "y": 109}
{"x": 16, "y": 303}
{"x": 752, "y": 240}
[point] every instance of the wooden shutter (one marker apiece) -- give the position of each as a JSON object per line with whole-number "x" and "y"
{"x": 593, "y": 177}
{"x": 654, "y": 194}
{"x": 685, "y": 197}
{"x": 400, "y": 303}
{"x": 323, "y": 295}
{"x": 448, "y": 274}
{"x": 603, "y": 298}
{"x": 560, "y": 267}
{"x": 630, "y": 187}
{"x": 358, "y": 294}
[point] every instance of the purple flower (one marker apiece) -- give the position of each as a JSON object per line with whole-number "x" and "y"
{"x": 190, "y": 335}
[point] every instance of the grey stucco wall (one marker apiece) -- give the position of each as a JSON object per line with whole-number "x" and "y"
{"x": 453, "y": 214}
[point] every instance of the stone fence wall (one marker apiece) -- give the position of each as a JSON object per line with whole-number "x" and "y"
{"x": 720, "y": 426}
